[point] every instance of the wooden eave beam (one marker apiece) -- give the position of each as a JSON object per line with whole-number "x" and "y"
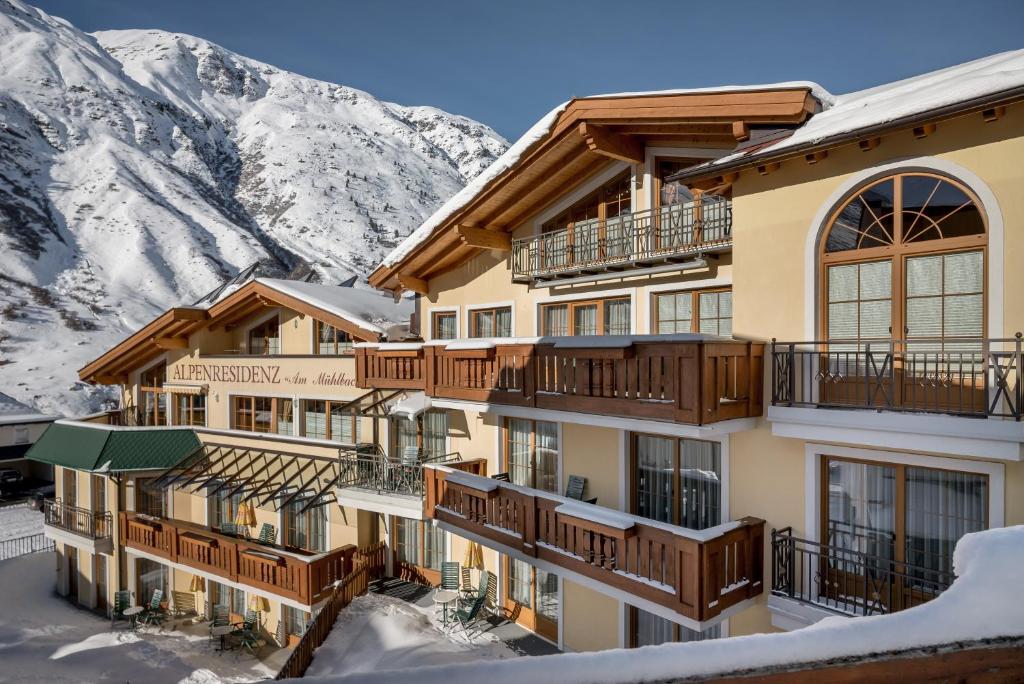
{"x": 603, "y": 142}
{"x": 484, "y": 239}
{"x": 171, "y": 342}
{"x": 413, "y": 284}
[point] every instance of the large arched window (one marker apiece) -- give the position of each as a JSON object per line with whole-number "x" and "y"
{"x": 904, "y": 258}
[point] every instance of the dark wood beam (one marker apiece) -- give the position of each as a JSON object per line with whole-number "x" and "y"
{"x": 485, "y": 239}
{"x": 740, "y": 131}
{"x": 605, "y": 143}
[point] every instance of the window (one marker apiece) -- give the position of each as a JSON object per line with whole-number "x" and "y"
{"x": 647, "y": 629}
{"x": 223, "y": 505}
{"x": 428, "y": 432}
{"x": 419, "y": 544}
{"x": 149, "y": 500}
{"x": 150, "y": 576}
{"x": 694, "y": 311}
{"x": 69, "y": 490}
{"x": 591, "y": 228}
{"x": 496, "y": 322}
{"x": 296, "y": 621}
{"x": 99, "y": 493}
{"x": 262, "y": 414}
{"x": 897, "y": 512}
{"x": 190, "y": 409}
{"x": 154, "y": 401}
{"x": 591, "y": 317}
{"x": 677, "y": 481}
{"x": 444, "y": 325}
{"x": 305, "y": 529}
{"x": 531, "y": 453}
{"x": 20, "y": 434}
{"x": 611, "y": 200}
{"x": 331, "y": 341}
{"x": 322, "y": 419}
{"x": 265, "y": 338}
{"x": 905, "y": 257}
{"x": 228, "y": 597}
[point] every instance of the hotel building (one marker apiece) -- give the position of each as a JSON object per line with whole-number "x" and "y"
{"x": 690, "y": 364}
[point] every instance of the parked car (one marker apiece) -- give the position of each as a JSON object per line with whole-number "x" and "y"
{"x": 10, "y": 478}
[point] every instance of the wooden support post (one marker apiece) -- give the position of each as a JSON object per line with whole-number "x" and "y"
{"x": 608, "y": 144}
{"x": 740, "y": 131}
{"x": 770, "y": 167}
{"x": 993, "y": 114}
{"x": 815, "y": 157}
{"x": 924, "y": 130}
{"x": 413, "y": 284}
{"x": 869, "y": 144}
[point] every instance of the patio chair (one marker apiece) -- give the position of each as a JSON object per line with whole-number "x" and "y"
{"x": 449, "y": 576}
{"x": 154, "y": 614}
{"x": 408, "y": 469}
{"x": 574, "y": 489}
{"x": 468, "y": 618}
{"x": 247, "y": 634}
{"x": 268, "y": 534}
{"x": 221, "y": 618}
{"x": 467, "y": 583}
{"x": 482, "y": 590}
{"x": 229, "y": 528}
{"x": 122, "y": 601}
{"x": 184, "y": 603}
{"x": 503, "y": 477}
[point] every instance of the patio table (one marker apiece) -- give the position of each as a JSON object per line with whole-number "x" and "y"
{"x": 133, "y": 616}
{"x": 222, "y": 631}
{"x": 445, "y": 598}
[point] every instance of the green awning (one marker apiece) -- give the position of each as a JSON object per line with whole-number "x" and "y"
{"x": 98, "y": 447}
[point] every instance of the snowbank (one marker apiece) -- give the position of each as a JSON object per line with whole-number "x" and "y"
{"x": 975, "y": 607}
{"x": 380, "y": 632}
{"x": 19, "y": 521}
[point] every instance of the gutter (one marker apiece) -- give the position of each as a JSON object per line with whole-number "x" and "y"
{"x": 941, "y": 113}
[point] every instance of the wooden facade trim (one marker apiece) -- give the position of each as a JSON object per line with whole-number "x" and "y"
{"x": 485, "y": 239}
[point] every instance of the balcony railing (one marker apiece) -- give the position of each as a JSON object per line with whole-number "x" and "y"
{"x": 378, "y": 473}
{"x": 303, "y": 576}
{"x": 851, "y": 581}
{"x": 94, "y": 525}
{"x": 640, "y": 239}
{"x": 686, "y": 378}
{"x": 970, "y": 377}
{"x": 696, "y": 573}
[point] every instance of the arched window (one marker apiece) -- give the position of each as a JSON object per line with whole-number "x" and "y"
{"x": 904, "y": 258}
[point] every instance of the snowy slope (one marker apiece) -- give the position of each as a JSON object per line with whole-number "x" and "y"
{"x": 139, "y": 168}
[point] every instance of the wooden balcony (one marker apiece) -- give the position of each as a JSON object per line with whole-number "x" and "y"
{"x": 682, "y": 378}
{"x": 647, "y": 239}
{"x": 696, "y": 573}
{"x": 290, "y": 573}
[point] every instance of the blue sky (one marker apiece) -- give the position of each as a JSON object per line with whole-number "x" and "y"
{"x": 507, "y": 62}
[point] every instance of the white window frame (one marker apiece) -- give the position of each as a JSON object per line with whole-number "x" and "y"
{"x": 457, "y": 310}
{"x": 617, "y": 293}
{"x": 470, "y": 308}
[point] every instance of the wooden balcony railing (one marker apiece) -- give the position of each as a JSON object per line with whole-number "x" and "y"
{"x": 92, "y": 524}
{"x": 299, "y": 575}
{"x": 686, "y": 379}
{"x": 697, "y": 573}
{"x": 638, "y": 239}
{"x": 958, "y": 376}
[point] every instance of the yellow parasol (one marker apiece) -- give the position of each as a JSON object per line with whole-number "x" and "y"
{"x": 197, "y": 584}
{"x": 474, "y": 556}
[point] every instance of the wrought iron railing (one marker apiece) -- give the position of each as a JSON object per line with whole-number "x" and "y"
{"x": 371, "y": 469}
{"x": 82, "y": 521}
{"x": 844, "y": 579}
{"x": 960, "y": 376}
{"x": 652, "y": 234}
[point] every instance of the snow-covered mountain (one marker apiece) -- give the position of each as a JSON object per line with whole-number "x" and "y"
{"x": 138, "y": 169}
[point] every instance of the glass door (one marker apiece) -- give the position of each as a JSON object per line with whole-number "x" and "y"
{"x": 532, "y": 597}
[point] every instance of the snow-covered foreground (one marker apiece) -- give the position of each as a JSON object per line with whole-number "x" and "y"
{"x": 384, "y": 633}
{"x": 19, "y": 521}
{"x": 976, "y": 607}
{"x": 44, "y": 638}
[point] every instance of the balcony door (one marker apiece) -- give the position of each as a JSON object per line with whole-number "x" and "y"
{"x": 532, "y": 597}
{"x": 678, "y": 481}
{"x": 903, "y": 297}
{"x": 889, "y": 531}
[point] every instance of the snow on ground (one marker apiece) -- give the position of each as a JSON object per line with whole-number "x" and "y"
{"x": 975, "y": 607}
{"x": 19, "y": 521}
{"x": 45, "y": 638}
{"x": 379, "y": 632}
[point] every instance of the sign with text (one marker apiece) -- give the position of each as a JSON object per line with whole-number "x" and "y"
{"x": 258, "y": 374}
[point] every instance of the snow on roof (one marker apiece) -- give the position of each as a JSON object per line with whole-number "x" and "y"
{"x": 13, "y": 412}
{"x": 975, "y": 607}
{"x": 537, "y": 132}
{"x": 900, "y": 99}
{"x": 368, "y": 309}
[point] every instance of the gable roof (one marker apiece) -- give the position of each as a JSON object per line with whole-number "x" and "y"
{"x": 364, "y": 314}
{"x": 95, "y": 447}
{"x": 977, "y": 84}
{"x": 562, "y": 150}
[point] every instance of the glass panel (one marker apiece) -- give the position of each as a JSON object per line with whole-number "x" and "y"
{"x": 435, "y": 433}
{"x": 616, "y": 317}
{"x": 964, "y": 272}
{"x": 519, "y": 583}
{"x": 546, "y": 444}
{"x": 503, "y": 323}
{"x": 405, "y": 434}
{"x": 314, "y": 420}
{"x": 861, "y": 511}
{"x": 652, "y": 630}
{"x": 556, "y": 320}
{"x": 148, "y": 499}
{"x": 654, "y": 463}
{"x": 151, "y": 576}
{"x": 866, "y": 221}
{"x": 285, "y": 419}
{"x": 941, "y": 507}
{"x": 924, "y": 276}
{"x": 934, "y": 209}
{"x": 407, "y": 540}
{"x": 875, "y": 280}
{"x": 700, "y": 466}
{"x": 547, "y": 595}
{"x": 325, "y": 340}
{"x": 585, "y": 319}
{"x": 520, "y": 470}
{"x": 263, "y": 415}
{"x": 444, "y": 326}
{"x": 435, "y": 547}
{"x": 199, "y": 409}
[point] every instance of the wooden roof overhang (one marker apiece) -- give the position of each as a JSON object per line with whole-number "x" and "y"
{"x": 172, "y": 328}
{"x": 588, "y": 135}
